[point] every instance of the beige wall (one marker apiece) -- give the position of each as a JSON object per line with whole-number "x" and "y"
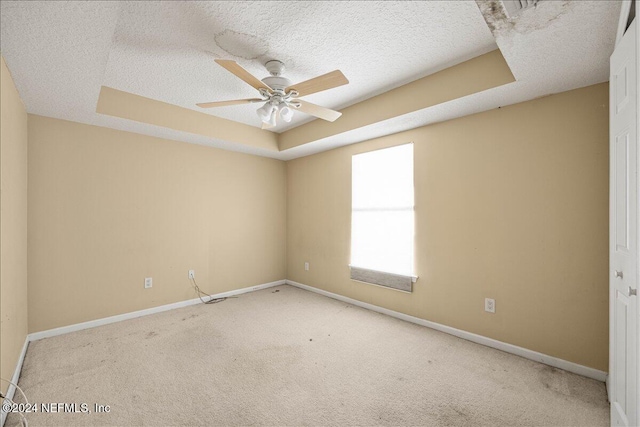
{"x": 13, "y": 225}
{"x": 108, "y": 208}
{"x": 511, "y": 204}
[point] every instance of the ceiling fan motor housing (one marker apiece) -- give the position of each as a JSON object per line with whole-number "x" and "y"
{"x": 276, "y": 81}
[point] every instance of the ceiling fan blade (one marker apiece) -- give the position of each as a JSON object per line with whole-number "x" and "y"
{"x": 240, "y": 72}
{"x": 224, "y": 103}
{"x": 320, "y": 83}
{"x": 318, "y": 111}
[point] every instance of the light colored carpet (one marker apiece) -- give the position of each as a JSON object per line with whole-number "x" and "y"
{"x": 285, "y": 356}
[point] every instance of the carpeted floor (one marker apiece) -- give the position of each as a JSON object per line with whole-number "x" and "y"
{"x": 286, "y": 356}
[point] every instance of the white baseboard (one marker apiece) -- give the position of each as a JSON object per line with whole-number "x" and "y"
{"x": 132, "y": 315}
{"x": 11, "y": 390}
{"x": 479, "y": 339}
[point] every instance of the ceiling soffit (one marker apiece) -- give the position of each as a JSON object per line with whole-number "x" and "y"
{"x": 129, "y": 106}
{"x": 475, "y": 75}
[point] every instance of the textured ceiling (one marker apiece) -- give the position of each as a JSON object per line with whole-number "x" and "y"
{"x": 165, "y": 50}
{"x": 60, "y": 53}
{"x": 554, "y": 47}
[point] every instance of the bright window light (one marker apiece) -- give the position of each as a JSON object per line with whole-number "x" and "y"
{"x": 382, "y": 219}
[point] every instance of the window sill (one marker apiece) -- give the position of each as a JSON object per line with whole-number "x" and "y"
{"x": 382, "y": 278}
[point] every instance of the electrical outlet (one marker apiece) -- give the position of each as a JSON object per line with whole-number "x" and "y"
{"x": 192, "y": 274}
{"x": 148, "y": 282}
{"x": 490, "y": 305}
{"x": 306, "y": 266}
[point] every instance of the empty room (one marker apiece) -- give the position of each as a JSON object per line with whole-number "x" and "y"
{"x": 319, "y": 213}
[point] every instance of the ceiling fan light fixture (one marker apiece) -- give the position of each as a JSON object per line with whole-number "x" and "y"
{"x": 286, "y": 113}
{"x": 274, "y": 116}
{"x": 265, "y": 112}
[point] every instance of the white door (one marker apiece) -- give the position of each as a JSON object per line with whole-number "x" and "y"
{"x": 623, "y": 249}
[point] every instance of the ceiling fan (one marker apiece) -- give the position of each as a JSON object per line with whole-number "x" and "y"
{"x": 280, "y": 97}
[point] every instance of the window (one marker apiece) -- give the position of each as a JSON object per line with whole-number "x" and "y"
{"x": 382, "y": 217}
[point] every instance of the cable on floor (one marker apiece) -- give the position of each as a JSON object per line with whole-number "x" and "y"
{"x": 23, "y": 419}
{"x": 211, "y": 300}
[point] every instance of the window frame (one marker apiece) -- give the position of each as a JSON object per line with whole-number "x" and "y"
{"x": 380, "y": 277}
